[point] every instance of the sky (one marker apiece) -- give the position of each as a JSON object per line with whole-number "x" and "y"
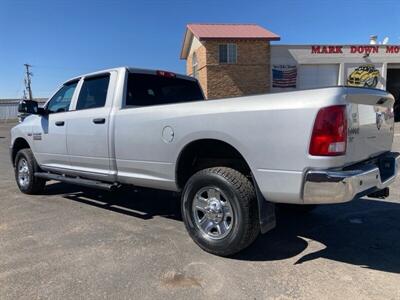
{"x": 65, "y": 38}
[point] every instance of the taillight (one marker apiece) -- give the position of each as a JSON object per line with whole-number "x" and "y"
{"x": 329, "y": 136}
{"x": 166, "y": 74}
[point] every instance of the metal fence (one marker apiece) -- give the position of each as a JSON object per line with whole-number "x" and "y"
{"x": 9, "y": 109}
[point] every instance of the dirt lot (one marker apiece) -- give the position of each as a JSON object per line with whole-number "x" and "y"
{"x": 76, "y": 243}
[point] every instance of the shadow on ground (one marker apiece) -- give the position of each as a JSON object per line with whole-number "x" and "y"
{"x": 141, "y": 203}
{"x": 363, "y": 232}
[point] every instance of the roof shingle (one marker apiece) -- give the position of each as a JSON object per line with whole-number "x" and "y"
{"x": 225, "y": 31}
{"x": 253, "y": 31}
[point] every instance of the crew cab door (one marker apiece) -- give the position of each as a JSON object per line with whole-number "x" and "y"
{"x": 49, "y": 133}
{"x": 88, "y": 128}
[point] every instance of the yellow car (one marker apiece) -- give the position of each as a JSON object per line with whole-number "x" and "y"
{"x": 366, "y": 76}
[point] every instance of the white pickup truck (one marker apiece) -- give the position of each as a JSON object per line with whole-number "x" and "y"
{"x": 231, "y": 159}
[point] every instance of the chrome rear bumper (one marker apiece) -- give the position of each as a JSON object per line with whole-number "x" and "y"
{"x": 338, "y": 186}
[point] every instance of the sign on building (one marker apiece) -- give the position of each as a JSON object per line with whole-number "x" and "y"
{"x": 284, "y": 76}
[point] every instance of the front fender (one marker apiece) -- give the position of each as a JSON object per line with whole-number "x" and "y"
{"x": 21, "y": 137}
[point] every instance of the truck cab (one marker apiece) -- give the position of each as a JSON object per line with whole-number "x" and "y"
{"x": 73, "y": 135}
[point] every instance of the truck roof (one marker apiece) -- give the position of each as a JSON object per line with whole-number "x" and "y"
{"x": 131, "y": 70}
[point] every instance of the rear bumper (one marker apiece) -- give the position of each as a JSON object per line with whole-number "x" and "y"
{"x": 338, "y": 186}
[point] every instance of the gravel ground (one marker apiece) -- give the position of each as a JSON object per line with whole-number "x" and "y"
{"x": 75, "y": 243}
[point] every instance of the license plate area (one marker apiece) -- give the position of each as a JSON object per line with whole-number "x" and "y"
{"x": 386, "y": 163}
{"x": 386, "y": 167}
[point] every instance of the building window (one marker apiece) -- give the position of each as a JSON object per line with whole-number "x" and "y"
{"x": 195, "y": 68}
{"x": 227, "y": 54}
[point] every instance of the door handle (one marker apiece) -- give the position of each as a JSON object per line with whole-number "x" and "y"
{"x": 60, "y": 123}
{"x": 99, "y": 121}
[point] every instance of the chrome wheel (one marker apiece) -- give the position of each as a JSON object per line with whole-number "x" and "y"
{"x": 212, "y": 213}
{"x": 23, "y": 172}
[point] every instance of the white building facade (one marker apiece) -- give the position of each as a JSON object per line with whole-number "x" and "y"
{"x": 312, "y": 66}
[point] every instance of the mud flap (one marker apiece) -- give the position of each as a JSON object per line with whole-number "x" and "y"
{"x": 266, "y": 211}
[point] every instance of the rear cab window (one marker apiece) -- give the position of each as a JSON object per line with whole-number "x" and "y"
{"x": 155, "y": 89}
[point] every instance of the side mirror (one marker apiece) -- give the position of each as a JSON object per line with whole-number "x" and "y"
{"x": 28, "y": 107}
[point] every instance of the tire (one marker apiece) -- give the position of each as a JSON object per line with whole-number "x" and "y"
{"x": 298, "y": 208}
{"x": 220, "y": 210}
{"x": 25, "y": 168}
{"x": 371, "y": 84}
{"x": 374, "y": 84}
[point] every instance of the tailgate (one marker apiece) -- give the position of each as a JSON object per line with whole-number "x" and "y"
{"x": 370, "y": 123}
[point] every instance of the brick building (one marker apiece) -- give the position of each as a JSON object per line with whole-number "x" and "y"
{"x": 237, "y": 59}
{"x": 228, "y": 59}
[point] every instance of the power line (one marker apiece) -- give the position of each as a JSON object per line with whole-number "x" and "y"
{"x": 28, "y": 89}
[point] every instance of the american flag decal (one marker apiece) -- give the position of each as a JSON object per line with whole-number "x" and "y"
{"x": 284, "y": 76}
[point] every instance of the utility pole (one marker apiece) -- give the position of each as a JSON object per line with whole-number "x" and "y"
{"x": 28, "y": 81}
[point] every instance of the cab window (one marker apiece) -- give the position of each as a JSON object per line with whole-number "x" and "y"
{"x": 61, "y": 100}
{"x": 148, "y": 89}
{"x": 93, "y": 92}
